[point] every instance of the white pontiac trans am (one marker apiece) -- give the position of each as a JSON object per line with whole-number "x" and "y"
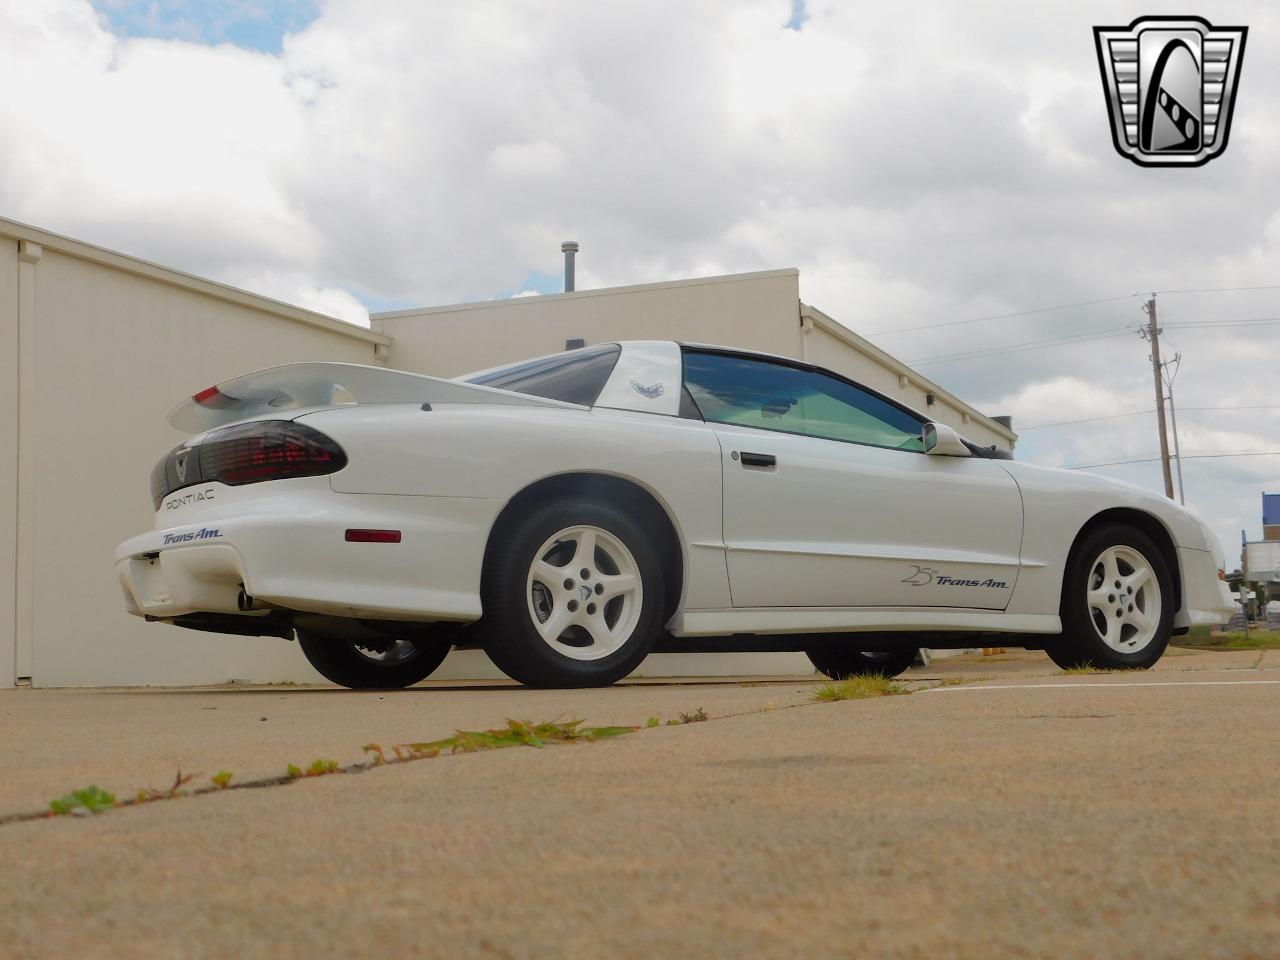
{"x": 572, "y": 513}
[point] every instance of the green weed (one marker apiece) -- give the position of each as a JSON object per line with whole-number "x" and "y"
{"x": 317, "y": 768}
{"x": 90, "y": 799}
{"x": 858, "y": 688}
{"x": 517, "y": 733}
{"x": 180, "y": 780}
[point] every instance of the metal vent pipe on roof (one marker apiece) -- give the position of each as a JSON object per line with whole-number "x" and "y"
{"x": 570, "y": 250}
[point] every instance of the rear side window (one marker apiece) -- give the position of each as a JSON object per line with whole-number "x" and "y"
{"x": 576, "y": 376}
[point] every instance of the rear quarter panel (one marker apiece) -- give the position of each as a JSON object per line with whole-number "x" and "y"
{"x": 480, "y": 451}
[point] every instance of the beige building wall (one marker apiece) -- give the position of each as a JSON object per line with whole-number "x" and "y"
{"x": 8, "y": 455}
{"x": 105, "y": 346}
{"x": 756, "y": 311}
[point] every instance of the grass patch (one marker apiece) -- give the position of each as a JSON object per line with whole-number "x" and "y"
{"x": 697, "y": 716}
{"x": 1258, "y": 639}
{"x": 857, "y": 688}
{"x": 1085, "y": 670}
{"x": 517, "y": 733}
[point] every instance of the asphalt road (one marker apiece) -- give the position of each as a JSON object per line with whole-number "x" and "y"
{"x": 1029, "y": 815}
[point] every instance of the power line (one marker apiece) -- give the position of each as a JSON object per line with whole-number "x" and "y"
{"x": 1138, "y": 413}
{"x": 1185, "y": 456}
{"x": 1257, "y": 406}
{"x": 997, "y": 351}
{"x": 997, "y": 316}
{"x": 1193, "y": 324}
{"x": 1228, "y": 320}
{"x": 1220, "y": 290}
{"x": 1063, "y": 306}
{"x": 1068, "y": 423}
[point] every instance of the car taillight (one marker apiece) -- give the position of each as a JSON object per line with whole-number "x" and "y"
{"x": 267, "y": 450}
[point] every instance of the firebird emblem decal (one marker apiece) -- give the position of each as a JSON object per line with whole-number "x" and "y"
{"x": 652, "y": 392}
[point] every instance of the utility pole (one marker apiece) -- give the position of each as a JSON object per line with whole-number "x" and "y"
{"x": 1152, "y": 333}
{"x": 1177, "y": 450}
{"x": 1173, "y": 422}
{"x": 1244, "y": 582}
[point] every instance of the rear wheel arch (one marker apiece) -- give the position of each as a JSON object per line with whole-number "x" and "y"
{"x": 630, "y": 495}
{"x": 1148, "y": 524}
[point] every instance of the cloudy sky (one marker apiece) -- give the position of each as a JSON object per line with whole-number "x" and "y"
{"x": 922, "y": 163}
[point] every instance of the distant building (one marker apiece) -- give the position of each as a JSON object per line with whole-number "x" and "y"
{"x": 1271, "y": 516}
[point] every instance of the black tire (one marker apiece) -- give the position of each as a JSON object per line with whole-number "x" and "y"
{"x": 508, "y": 629}
{"x": 1081, "y": 643}
{"x": 841, "y": 663}
{"x": 349, "y": 664}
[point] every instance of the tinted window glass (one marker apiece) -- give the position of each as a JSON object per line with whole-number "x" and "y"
{"x": 576, "y": 376}
{"x": 756, "y": 393}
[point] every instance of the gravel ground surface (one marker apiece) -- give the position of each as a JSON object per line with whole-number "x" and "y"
{"x": 1025, "y": 815}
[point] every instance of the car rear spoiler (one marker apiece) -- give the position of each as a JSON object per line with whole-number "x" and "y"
{"x": 296, "y": 386}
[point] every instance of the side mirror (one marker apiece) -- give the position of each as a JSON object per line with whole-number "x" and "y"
{"x": 941, "y": 441}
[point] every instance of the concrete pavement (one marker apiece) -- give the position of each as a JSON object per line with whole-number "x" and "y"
{"x": 1088, "y": 816}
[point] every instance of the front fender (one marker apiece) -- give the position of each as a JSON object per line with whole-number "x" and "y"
{"x": 1058, "y": 504}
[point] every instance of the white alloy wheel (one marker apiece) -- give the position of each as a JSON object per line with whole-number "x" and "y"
{"x": 1124, "y": 600}
{"x": 584, "y": 593}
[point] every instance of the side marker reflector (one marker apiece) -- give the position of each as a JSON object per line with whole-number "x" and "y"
{"x": 373, "y": 536}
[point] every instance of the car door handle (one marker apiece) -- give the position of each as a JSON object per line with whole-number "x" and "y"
{"x": 758, "y": 459}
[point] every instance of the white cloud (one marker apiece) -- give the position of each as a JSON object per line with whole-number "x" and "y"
{"x": 536, "y": 159}
{"x": 919, "y": 165}
{"x": 331, "y": 301}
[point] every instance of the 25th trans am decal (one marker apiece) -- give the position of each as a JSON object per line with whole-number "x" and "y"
{"x": 204, "y": 533}
{"x": 925, "y": 576}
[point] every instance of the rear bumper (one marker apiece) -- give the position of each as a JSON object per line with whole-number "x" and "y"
{"x": 1206, "y": 600}
{"x": 295, "y": 557}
